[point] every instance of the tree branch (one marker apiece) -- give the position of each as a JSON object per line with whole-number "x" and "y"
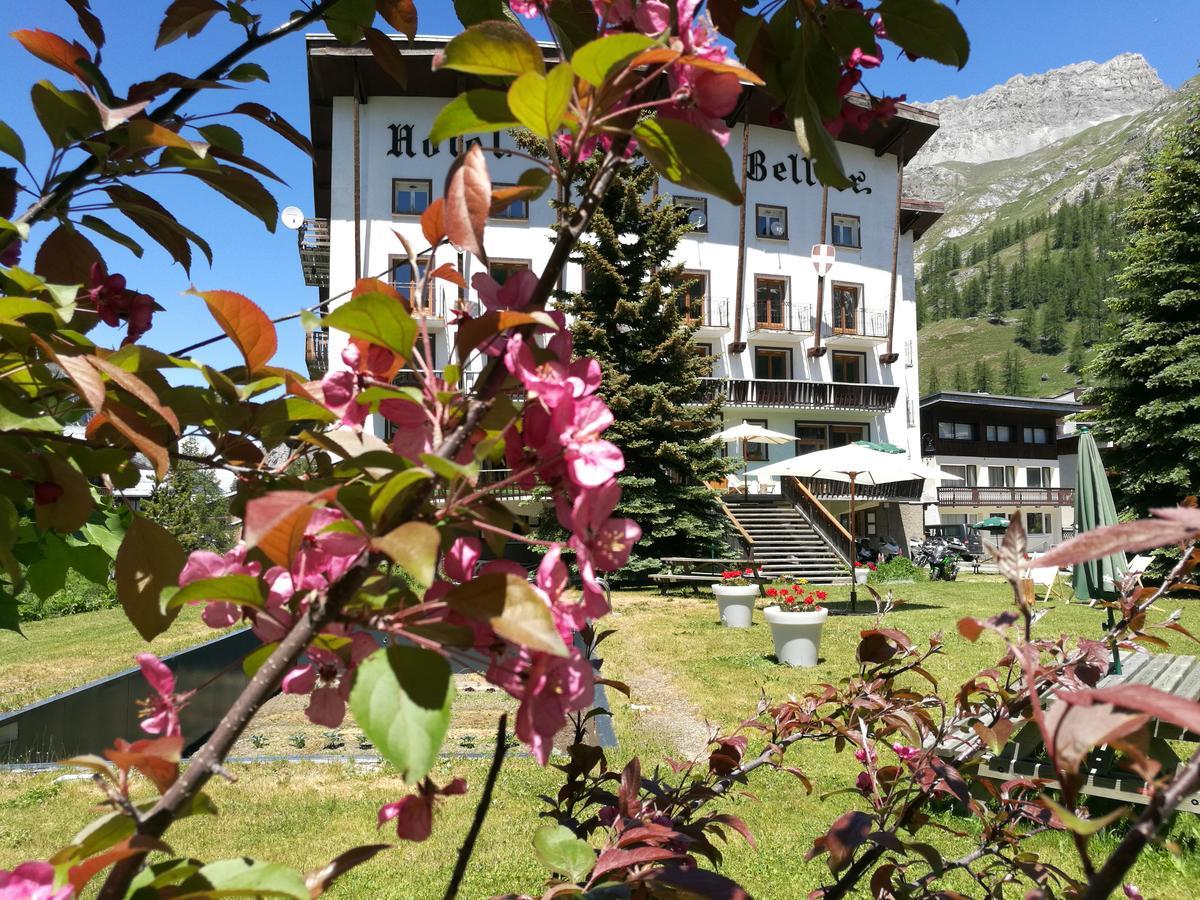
{"x": 481, "y": 809}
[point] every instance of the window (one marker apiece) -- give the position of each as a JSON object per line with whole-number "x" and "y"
{"x": 410, "y": 198}
{"x": 968, "y": 476}
{"x": 846, "y": 299}
{"x": 518, "y": 209}
{"x": 846, "y": 231}
{"x": 956, "y": 431}
{"x": 841, "y": 435}
{"x": 691, "y": 302}
{"x": 1036, "y": 435}
{"x": 697, "y": 208}
{"x": 502, "y": 269}
{"x": 1037, "y": 523}
{"x": 1002, "y": 476}
{"x": 848, "y": 368}
{"x": 1000, "y": 434}
{"x": 770, "y": 221}
{"x": 1037, "y": 477}
{"x": 770, "y": 363}
{"x": 756, "y": 452}
{"x": 768, "y": 303}
{"x": 810, "y": 438}
{"x": 403, "y": 279}
{"x": 872, "y": 523}
{"x": 702, "y": 349}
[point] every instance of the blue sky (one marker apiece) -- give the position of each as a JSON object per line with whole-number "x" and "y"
{"x": 1007, "y": 36}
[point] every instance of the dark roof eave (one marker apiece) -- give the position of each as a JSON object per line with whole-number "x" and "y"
{"x": 1000, "y": 401}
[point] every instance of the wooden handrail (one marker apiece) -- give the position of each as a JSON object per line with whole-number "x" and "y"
{"x": 737, "y": 526}
{"x": 821, "y": 519}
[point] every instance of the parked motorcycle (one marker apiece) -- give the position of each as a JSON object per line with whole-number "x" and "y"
{"x": 941, "y": 555}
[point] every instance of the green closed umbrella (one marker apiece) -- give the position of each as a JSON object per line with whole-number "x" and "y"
{"x": 1098, "y": 579}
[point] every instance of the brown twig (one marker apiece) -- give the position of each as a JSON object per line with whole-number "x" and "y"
{"x": 481, "y": 809}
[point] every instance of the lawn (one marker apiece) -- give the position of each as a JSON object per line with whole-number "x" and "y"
{"x": 685, "y": 672}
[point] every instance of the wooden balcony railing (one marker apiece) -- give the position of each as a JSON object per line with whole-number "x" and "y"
{"x": 316, "y": 353}
{"x": 1005, "y": 496}
{"x": 829, "y": 489}
{"x": 802, "y": 394}
{"x": 821, "y": 519}
{"x": 313, "y": 241}
{"x": 769, "y": 316}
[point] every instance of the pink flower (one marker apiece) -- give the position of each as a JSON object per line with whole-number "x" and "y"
{"x": 863, "y": 783}
{"x": 206, "y": 564}
{"x": 529, "y": 9}
{"x": 549, "y": 687}
{"x": 1132, "y": 892}
{"x": 32, "y": 881}
{"x": 114, "y": 304}
{"x": 162, "y": 712}
{"x": 339, "y": 391}
{"x": 414, "y": 813}
{"x": 652, "y": 17}
{"x": 462, "y": 557}
{"x": 865, "y": 754}
{"x": 866, "y": 60}
{"x": 577, "y": 425}
{"x": 702, "y": 97}
{"x": 327, "y": 677}
{"x": 414, "y": 429}
{"x": 905, "y": 753}
{"x": 513, "y": 294}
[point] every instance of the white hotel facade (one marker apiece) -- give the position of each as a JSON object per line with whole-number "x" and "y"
{"x": 830, "y": 360}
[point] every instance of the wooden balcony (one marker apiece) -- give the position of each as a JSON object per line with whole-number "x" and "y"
{"x": 830, "y": 489}
{"x": 708, "y": 314}
{"x": 313, "y": 240}
{"x": 792, "y": 394}
{"x": 316, "y": 353}
{"x": 430, "y": 303}
{"x": 1005, "y": 496}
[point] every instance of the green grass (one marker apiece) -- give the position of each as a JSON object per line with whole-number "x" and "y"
{"x": 953, "y": 342}
{"x": 59, "y": 654}
{"x": 686, "y": 669}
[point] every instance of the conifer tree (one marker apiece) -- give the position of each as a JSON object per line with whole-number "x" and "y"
{"x": 1012, "y": 377}
{"x": 1027, "y": 330}
{"x": 190, "y": 504}
{"x": 629, "y": 318}
{"x": 933, "y": 381}
{"x": 1078, "y": 355}
{"x": 962, "y": 381}
{"x": 1147, "y": 374}
{"x": 1052, "y": 333}
{"x": 981, "y": 377}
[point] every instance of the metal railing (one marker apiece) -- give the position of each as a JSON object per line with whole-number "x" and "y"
{"x": 316, "y": 353}
{"x": 864, "y": 323}
{"x": 431, "y": 302}
{"x": 709, "y": 313}
{"x": 313, "y": 242}
{"x": 823, "y": 522}
{"x": 830, "y": 489}
{"x": 1005, "y": 496}
{"x": 771, "y": 316}
{"x": 802, "y": 394}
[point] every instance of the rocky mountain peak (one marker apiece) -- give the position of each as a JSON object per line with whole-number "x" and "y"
{"x": 1029, "y": 112}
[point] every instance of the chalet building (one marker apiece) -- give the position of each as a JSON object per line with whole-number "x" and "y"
{"x": 1014, "y": 457}
{"x": 829, "y": 357}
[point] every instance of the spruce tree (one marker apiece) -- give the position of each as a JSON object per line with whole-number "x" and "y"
{"x": 1078, "y": 355}
{"x": 190, "y": 504}
{"x": 629, "y": 318}
{"x": 981, "y": 377}
{"x": 1012, "y": 377}
{"x": 1052, "y": 336}
{"x": 962, "y": 381}
{"x": 933, "y": 381}
{"x": 1146, "y": 375}
{"x": 1027, "y": 330}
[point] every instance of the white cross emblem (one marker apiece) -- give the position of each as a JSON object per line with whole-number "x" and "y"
{"x": 822, "y": 258}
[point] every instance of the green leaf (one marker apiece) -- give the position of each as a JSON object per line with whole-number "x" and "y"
{"x": 449, "y": 469}
{"x": 493, "y": 48}
{"x": 254, "y": 661}
{"x": 1082, "y": 826}
{"x": 926, "y": 28}
{"x": 479, "y": 110}
{"x": 348, "y": 19}
{"x": 378, "y": 319}
{"x": 595, "y": 60}
{"x": 243, "y": 189}
{"x": 816, "y": 142}
{"x": 573, "y": 23}
{"x": 244, "y": 590}
{"x": 66, "y": 116}
{"x": 559, "y": 850}
{"x": 248, "y": 71}
{"x": 10, "y": 143}
{"x": 684, "y": 154}
{"x": 414, "y": 547}
{"x": 387, "y": 494}
{"x": 472, "y": 12}
{"x": 225, "y": 137}
{"x": 401, "y": 699}
{"x": 10, "y": 618}
{"x": 149, "y": 560}
{"x": 101, "y": 227}
{"x": 847, "y": 29}
{"x": 245, "y": 877}
{"x": 540, "y": 102}
{"x": 514, "y": 610}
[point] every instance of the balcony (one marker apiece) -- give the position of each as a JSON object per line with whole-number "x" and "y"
{"x": 777, "y": 319}
{"x": 830, "y": 489}
{"x": 855, "y": 327}
{"x": 316, "y": 353}
{"x": 313, "y": 240}
{"x": 709, "y": 313}
{"x": 1005, "y": 496}
{"x": 432, "y": 303}
{"x": 792, "y": 394}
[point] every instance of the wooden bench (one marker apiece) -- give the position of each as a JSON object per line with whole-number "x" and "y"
{"x": 697, "y": 571}
{"x": 1024, "y": 756}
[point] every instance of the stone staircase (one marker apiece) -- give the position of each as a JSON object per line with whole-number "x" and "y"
{"x": 785, "y": 544}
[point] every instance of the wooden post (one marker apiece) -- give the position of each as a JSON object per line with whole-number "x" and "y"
{"x": 738, "y": 344}
{"x": 853, "y": 551}
{"x": 357, "y": 183}
{"x": 891, "y": 355}
{"x": 816, "y": 350}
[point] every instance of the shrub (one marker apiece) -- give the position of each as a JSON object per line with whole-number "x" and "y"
{"x": 899, "y": 569}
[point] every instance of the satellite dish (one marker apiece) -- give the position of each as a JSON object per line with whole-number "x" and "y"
{"x": 777, "y": 229}
{"x": 292, "y": 217}
{"x": 697, "y": 218}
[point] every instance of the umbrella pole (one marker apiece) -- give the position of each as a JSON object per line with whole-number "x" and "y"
{"x": 1116, "y": 663}
{"x": 853, "y": 551}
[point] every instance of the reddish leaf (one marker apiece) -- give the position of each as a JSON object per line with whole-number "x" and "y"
{"x": 319, "y": 881}
{"x": 737, "y": 825}
{"x": 154, "y": 219}
{"x": 400, "y": 14}
{"x": 156, "y": 758}
{"x": 387, "y": 56}
{"x": 631, "y": 783}
{"x": 1184, "y": 515}
{"x": 66, "y": 257}
{"x": 275, "y": 523}
{"x": 1143, "y": 699}
{"x": 134, "y": 429}
{"x": 70, "y": 510}
{"x": 142, "y": 134}
{"x": 468, "y": 199}
{"x": 89, "y": 384}
{"x": 81, "y": 874}
{"x": 186, "y": 17}
{"x": 1127, "y": 537}
{"x": 612, "y": 859}
{"x": 696, "y": 882}
{"x": 473, "y": 332}
{"x": 845, "y": 836}
{"x": 88, "y": 22}
{"x": 138, "y": 388}
{"x": 881, "y": 644}
{"x": 247, "y": 326}
{"x": 58, "y": 52}
{"x": 448, "y": 272}
{"x": 1071, "y": 730}
{"x": 149, "y": 560}
{"x": 112, "y": 116}
{"x": 276, "y": 123}
{"x": 243, "y": 189}
{"x": 432, "y": 224}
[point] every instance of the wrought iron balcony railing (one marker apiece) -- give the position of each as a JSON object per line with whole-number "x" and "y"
{"x": 711, "y": 313}
{"x": 775, "y": 316}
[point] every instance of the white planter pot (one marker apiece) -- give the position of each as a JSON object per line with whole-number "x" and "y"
{"x": 797, "y": 635}
{"x": 736, "y": 603}
{"x": 860, "y": 575}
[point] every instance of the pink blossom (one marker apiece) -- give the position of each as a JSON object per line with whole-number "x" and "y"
{"x": 577, "y": 424}
{"x": 414, "y": 430}
{"x": 551, "y": 380}
{"x": 414, "y": 813}
{"x": 865, "y": 754}
{"x": 115, "y": 304}
{"x": 339, "y": 391}
{"x": 162, "y": 711}
{"x": 462, "y": 557}
{"x": 1132, "y": 892}
{"x": 863, "y": 783}
{"x": 32, "y": 881}
{"x": 529, "y": 9}
{"x": 905, "y": 753}
{"x": 613, "y": 12}
{"x": 652, "y": 17}
{"x": 866, "y": 60}
{"x": 206, "y": 564}
{"x": 327, "y": 676}
{"x": 549, "y": 687}
{"x": 515, "y": 293}
{"x": 702, "y": 97}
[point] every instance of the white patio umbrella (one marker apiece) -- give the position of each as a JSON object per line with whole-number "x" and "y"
{"x": 857, "y": 464}
{"x": 752, "y": 434}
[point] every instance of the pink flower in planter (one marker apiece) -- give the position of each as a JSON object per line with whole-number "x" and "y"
{"x": 414, "y": 813}
{"x": 32, "y": 881}
{"x": 162, "y": 712}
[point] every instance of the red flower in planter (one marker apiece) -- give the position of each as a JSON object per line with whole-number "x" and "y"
{"x": 771, "y": 592}
{"x": 821, "y": 595}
